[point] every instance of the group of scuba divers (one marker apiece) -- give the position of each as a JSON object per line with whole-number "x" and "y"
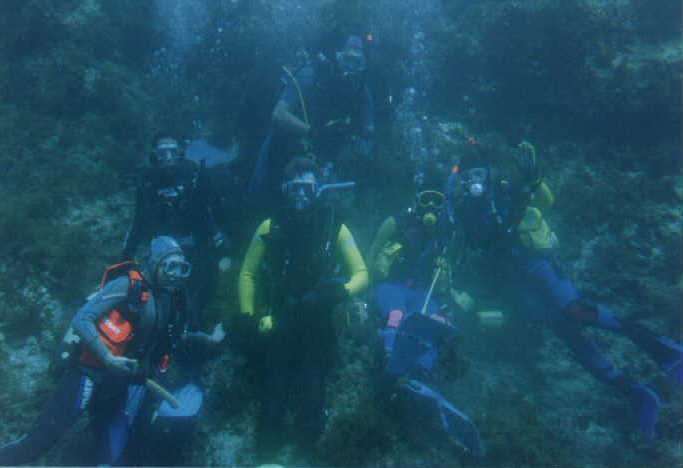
{"x": 301, "y": 266}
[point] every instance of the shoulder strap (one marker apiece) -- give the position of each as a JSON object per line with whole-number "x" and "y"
{"x": 139, "y": 288}
{"x": 116, "y": 270}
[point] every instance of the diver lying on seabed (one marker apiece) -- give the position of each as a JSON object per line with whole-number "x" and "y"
{"x": 502, "y": 219}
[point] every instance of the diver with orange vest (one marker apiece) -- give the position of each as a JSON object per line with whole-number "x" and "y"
{"x": 126, "y": 334}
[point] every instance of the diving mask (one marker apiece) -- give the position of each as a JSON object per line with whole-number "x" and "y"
{"x": 429, "y": 204}
{"x": 351, "y": 61}
{"x": 301, "y": 192}
{"x": 173, "y": 269}
{"x": 431, "y": 199}
{"x": 167, "y": 155}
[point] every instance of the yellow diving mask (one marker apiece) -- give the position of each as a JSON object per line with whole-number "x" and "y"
{"x": 431, "y": 199}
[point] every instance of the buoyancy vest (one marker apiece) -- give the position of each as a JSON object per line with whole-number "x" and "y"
{"x": 175, "y": 202}
{"x": 300, "y": 256}
{"x": 117, "y": 328}
{"x": 504, "y": 219}
{"x": 534, "y": 232}
{"x": 417, "y": 250}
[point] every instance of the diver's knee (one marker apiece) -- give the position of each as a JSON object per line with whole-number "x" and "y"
{"x": 582, "y": 312}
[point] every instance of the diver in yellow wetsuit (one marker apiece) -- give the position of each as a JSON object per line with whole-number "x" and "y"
{"x": 290, "y": 284}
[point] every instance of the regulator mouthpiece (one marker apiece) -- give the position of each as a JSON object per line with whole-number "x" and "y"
{"x": 429, "y": 219}
{"x": 476, "y": 189}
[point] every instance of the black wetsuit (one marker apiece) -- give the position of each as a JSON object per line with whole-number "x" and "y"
{"x": 178, "y": 202}
{"x": 336, "y": 109}
{"x": 299, "y": 350}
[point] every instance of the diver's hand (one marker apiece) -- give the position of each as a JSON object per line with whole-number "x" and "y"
{"x": 527, "y": 163}
{"x": 265, "y": 325}
{"x": 218, "y": 239}
{"x": 122, "y": 366}
{"x": 218, "y": 334}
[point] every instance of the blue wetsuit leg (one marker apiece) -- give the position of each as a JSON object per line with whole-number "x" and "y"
{"x": 393, "y": 298}
{"x": 415, "y": 353}
{"x": 113, "y": 421}
{"x": 546, "y": 294}
{"x": 71, "y": 398}
{"x": 416, "y": 300}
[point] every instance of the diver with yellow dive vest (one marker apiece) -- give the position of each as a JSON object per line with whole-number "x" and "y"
{"x": 292, "y": 264}
{"x": 503, "y": 221}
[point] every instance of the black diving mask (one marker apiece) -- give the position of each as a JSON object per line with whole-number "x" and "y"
{"x": 351, "y": 62}
{"x": 300, "y": 193}
{"x": 167, "y": 155}
{"x": 431, "y": 199}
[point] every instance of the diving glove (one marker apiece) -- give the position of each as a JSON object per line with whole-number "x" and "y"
{"x": 265, "y": 325}
{"x": 122, "y": 366}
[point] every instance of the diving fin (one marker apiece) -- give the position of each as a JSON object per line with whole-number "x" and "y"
{"x": 190, "y": 398}
{"x": 201, "y": 151}
{"x": 667, "y": 353}
{"x": 455, "y": 424}
{"x": 415, "y": 343}
{"x": 645, "y": 404}
{"x": 672, "y": 365}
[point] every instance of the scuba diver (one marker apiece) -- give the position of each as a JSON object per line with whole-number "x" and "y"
{"x": 292, "y": 267}
{"x": 503, "y": 221}
{"x": 409, "y": 269}
{"x": 325, "y": 108}
{"x": 175, "y": 199}
{"x": 120, "y": 344}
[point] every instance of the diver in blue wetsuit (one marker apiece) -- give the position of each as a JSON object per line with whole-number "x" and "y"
{"x": 126, "y": 333}
{"x": 324, "y": 108}
{"x": 409, "y": 266}
{"x": 503, "y": 220}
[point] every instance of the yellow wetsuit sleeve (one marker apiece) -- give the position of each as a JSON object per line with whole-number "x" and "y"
{"x": 247, "y": 283}
{"x": 543, "y": 197}
{"x": 385, "y": 233}
{"x": 348, "y": 251}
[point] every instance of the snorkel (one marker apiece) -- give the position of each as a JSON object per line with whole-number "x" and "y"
{"x": 337, "y": 186}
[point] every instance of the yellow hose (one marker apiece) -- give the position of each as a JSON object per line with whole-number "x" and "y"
{"x": 301, "y": 96}
{"x": 162, "y": 392}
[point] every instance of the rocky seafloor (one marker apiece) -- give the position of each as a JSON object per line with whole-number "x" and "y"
{"x": 594, "y": 84}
